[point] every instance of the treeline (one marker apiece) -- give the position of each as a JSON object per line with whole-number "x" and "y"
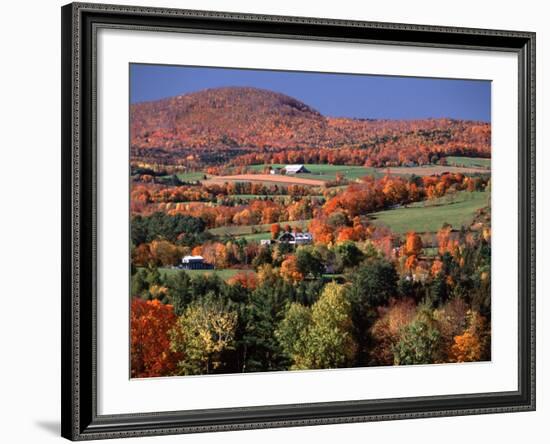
{"x": 388, "y": 154}
{"x": 383, "y": 315}
{"x": 153, "y": 193}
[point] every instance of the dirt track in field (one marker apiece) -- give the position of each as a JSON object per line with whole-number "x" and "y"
{"x": 288, "y": 180}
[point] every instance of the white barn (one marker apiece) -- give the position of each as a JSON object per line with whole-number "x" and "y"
{"x": 296, "y": 169}
{"x": 296, "y": 238}
{"x": 195, "y": 263}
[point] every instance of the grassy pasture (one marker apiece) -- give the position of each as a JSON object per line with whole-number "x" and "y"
{"x": 188, "y": 177}
{"x": 268, "y": 179}
{"x": 430, "y": 216}
{"x": 325, "y": 172}
{"x": 428, "y": 170}
{"x": 225, "y": 273}
{"x": 474, "y": 162}
{"x": 250, "y": 231}
{"x": 257, "y": 236}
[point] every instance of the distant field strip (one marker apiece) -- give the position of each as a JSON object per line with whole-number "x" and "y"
{"x": 476, "y": 162}
{"x": 187, "y": 177}
{"x": 255, "y": 231}
{"x": 430, "y": 217}
{"x": 225, "y": 273}
{"x": 428, "y": 170}
{"x": 326, "y": 172}
{"x": 265, "y": 178}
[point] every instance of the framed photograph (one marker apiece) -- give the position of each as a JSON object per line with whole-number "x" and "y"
{"x": 281, "y": 221}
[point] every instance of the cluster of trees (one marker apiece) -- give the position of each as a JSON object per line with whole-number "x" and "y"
{"x": 355, "y": 200}
{"x": 254, "y": 211}
{"x": 382, "y": 314}
{"x": 212, "y": 192}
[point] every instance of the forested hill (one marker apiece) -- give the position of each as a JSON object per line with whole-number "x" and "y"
{"x": 253, "y": 120}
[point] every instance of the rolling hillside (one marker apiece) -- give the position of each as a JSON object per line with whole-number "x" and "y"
{"x": 250, "y": 125}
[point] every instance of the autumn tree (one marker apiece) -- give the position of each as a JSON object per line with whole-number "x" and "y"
{"x": 165, "y": 253}
{"x": 320, "y": 336}
{"x": 474, "y": 343}
{"x": 289, "y": 269}
{"x": 150, "y": 353}
{"x": 275, "y": 231}
{"x": 444, "y": 239}
{"x": 245, "y": 279}
{"x": 413, "y": 244}
{"x": 387, "y": 328}
{"x": 204, "y": 331}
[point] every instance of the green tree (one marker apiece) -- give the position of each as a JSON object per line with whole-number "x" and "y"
{"x": 374, "y": 283}
{"x": 202, "y": 334}
{"x": 418, "y": 342}
{"x": 259, "y": 347}
{"x": 349, "y": 254}
{"x": 139, "y": 285}
{"x": 293, "y": 332}
{"x": 308, "y": 261}
{"x": 180, "y": 291}
{"x": 320, "y": 336}
{"x": 263, "y": 257}
{"x": 331, "y": 333}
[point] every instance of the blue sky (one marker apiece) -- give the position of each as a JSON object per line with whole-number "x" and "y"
{"x": 335, "y": 95}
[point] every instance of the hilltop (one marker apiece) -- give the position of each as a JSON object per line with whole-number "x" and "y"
{"x": 247, "y": 121}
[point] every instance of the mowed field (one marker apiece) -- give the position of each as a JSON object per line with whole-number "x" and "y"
{"x": 225, "y": 273}
{"x": 255, "y": 231}
{"x": 429, "y": 216}
{"x": 475, "y": 162}
{"x": 325, "y": 172}
{"x": 193, "y": 176}
{"x": 428, "y": 170}
{"x": 265, "y": 178}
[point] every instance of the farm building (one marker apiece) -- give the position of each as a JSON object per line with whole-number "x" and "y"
{"x": 195, "y": 263}
{"x": 267, "y": 242}
{"x": 296, "y": 238}
{"x": 296, "y": 169}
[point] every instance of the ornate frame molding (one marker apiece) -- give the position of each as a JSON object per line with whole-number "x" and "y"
{"x": 79, "y": 395}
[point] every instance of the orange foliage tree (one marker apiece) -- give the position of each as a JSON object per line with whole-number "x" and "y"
{"x": 473, "y": 344}
{"x": 413, "y": 244}
{"x": 150, "y": 323}
{"x": 245, "y": 279}
{"x": 289, "y": 269}
{"x": 275, "y": 231}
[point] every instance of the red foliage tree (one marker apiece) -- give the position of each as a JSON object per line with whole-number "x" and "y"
{"x": 150, "y": 323}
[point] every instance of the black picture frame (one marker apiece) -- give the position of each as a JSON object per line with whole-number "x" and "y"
{"x": 80, "y": 420}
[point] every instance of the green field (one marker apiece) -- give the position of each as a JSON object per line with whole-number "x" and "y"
{"x": 188, "y": 177}
{"x": 249, "y": 231}
{"x": 430, "y": 251}
{"x": 224, "y": 274}
{"x": 474, "y": 162}
{"x": 257, "y": 236}
{"x": 429, "y": 216}
{"x": 326, "y": 172}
